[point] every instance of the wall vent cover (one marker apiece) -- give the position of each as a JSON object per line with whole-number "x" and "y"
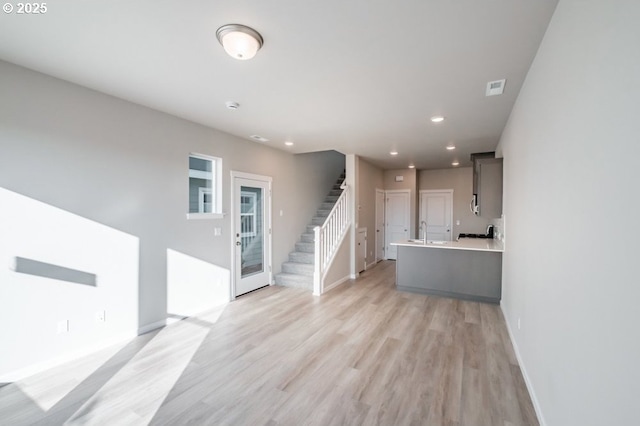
{"x": 495, "y": 87}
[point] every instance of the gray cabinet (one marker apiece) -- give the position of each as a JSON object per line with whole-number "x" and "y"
{"x": 463, "y": 274}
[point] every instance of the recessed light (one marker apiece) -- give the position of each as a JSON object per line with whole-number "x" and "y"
{"x": 394, "y": 153}
{"x": 437, "y": 119}
{"x": 455, "y": 163}
{"x": 288, "y": 143}
{"x": 232, "y": 105}
{"x": 451, "y": 147}
{"x": 411, "y": 166}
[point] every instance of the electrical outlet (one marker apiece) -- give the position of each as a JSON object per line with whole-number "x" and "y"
{"x": 217, "y": 232}
{"x": 518, "y": 323}
{"x": 101, "y": 316}
{"x": 63, "y": 326}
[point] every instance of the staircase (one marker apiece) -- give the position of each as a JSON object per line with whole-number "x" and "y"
{"x": 298, "y": 271}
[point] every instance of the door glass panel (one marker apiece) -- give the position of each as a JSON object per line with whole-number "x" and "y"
{"x": 251, "y": 230}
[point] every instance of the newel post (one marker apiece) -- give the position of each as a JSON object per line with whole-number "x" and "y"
{"x": 317, "y": 273}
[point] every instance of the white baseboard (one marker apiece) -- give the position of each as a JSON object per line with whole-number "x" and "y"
{"x": 372, "y": 264}
{"x": 353, "y": 276}
{"x": 336, "y": 283}
{"x": 523, "y": 369}
{"x": 154, "y": 325}
{"x": 23, "y": 373}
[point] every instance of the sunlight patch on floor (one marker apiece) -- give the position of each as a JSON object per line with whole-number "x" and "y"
{"x": 156, "y": 368}
{"x": 39, "y": 389}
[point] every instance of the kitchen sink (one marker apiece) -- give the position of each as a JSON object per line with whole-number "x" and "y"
{"x": 417, "y": 241}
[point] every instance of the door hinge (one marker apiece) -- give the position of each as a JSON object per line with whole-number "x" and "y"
{"x": 269, "y": 231}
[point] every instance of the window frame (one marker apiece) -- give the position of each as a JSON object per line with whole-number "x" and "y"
{"x": 254, "y": 219}
{"x": 215, "y": 190}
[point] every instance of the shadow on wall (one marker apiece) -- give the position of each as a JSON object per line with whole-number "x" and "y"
{"x": 45, "y": 252}
{"x": 194, "y": 285}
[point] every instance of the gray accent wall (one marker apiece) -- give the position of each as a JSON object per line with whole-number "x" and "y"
{"x": 461, "y": 181}
{"x": 410, "y": 182}
{"x": 570, "y": 276}
{"x": 370, "y": 178}
{"x": 82, "y": 160}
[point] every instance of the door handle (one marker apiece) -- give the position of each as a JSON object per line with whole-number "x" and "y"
{"x": 238, "y": 243}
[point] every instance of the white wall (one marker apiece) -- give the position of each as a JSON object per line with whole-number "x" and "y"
{"x": 571, "y": 151}
{"x": 97, "y": 184}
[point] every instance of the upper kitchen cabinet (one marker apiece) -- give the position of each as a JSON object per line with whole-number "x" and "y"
{"x": 487, "y": 185}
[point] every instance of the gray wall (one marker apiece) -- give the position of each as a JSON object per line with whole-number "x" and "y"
{"x": 571, "y": 150}
{"x": 86, "y": 160}
{"x": 370, "y": 178}
{"x": 461, "y": 181}
{"x": 409, "y": 182}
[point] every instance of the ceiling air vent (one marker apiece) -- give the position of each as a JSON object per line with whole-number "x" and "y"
{"x": 495, "y": 87}
{"x": 259, "y": 138}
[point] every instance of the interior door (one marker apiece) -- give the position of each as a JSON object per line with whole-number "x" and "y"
{"x": 397, "y": 215}
{"x": 379, "y": 225}
{"x": 436, "y": 209}
{"x": 252, "y": 245}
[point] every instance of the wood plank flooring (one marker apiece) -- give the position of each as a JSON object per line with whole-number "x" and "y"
{"x": 363, "y": 354}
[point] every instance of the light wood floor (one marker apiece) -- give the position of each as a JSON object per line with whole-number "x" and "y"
{"x": 361, "y": 354}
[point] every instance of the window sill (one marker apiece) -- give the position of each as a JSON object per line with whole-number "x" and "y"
{"x": 200, "y": 216}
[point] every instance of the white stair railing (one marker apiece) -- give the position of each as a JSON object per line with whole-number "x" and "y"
{"x": 328, "y": 238}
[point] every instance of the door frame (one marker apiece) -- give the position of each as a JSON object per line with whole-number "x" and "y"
{"x": 386, "y": 218}
{"x": 268, "y": 237}
{"x": 384, "y": 228}
{"x": 423, "y": 192}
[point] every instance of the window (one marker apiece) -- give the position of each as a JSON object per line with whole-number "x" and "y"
{"x": 205, "y": 183}
{"x": 248, "y": 202}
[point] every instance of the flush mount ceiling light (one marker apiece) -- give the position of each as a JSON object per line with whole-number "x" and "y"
{"x": 451, "y": 147}
{"x": 411, "y": 166}
{"x": 259, "y": 138}
{"x": 288, "y": 143}
{"x": 455, "y": 163}
{"x": 239, "y": 41}
{"x": 393, "y": 153}
{"x": 437, "y": 119}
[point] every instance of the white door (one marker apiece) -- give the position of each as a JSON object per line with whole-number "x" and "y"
{"x": 361, "y": 250}
{"x": 436, "y": 212}
{"x": 252, "y": 233}
{"x": 379, "y": 225}
{"x": 397, "y": 216}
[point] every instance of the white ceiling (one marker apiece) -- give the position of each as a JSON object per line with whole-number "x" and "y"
{"x": 357, "y": 76}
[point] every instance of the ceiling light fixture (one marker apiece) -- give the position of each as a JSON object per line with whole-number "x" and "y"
{"x": 259, "y": 138}
{"x": 455, "y": 163}
{"x": 393, "y": 153}
{"x": 239, "y": 41}
{"x": 451, "y": 147}
{"x": 288, "y": 143}
{"x": 411, "y": 166}
{"x": 437, "y": 119}
{"x": 232, "y": 105}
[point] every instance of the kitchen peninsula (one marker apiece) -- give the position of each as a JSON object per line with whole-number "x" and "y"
{"x": 469, "y": 269}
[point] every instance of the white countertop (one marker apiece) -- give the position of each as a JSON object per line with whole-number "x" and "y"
{"x": 476, "y": 244}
